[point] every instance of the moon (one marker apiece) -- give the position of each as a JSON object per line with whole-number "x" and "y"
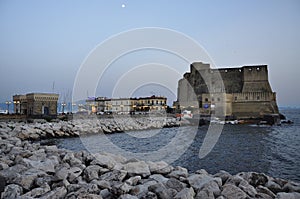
{"x": 123, "y": 5}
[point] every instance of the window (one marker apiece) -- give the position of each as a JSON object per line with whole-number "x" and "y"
{"x": 258, "y": 98}
{"x": 235, "y": 98}
{"x": 206, "y": 99}
{"x": 246, "y": 98}
{"x": 212, "y": 99}
{"x": 219, "y": 99}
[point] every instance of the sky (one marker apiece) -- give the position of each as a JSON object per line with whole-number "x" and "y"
{"x": 44, "y": 43}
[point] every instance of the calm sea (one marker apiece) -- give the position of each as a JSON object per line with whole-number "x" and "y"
{"x": 272, "y": 150}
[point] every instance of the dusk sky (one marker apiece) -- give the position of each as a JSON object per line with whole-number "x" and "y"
{"x": 42, "y": 42}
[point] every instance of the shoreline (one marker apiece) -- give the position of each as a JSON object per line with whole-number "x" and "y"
{"x": 74, "y": 128}
{"x": 30, "y": 170}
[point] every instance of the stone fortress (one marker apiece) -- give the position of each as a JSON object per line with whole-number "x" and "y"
{"x": 36, "y": 104}
{"x": 241, "y": 93}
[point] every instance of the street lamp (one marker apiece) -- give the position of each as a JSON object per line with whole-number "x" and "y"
{"x": 17, "y": 106}
{"x": 7, "y": 104}
{"x": 63, "y": 107}
{"x": 73, "y": 104}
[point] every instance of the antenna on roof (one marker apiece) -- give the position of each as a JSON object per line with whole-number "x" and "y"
{"x": 53, "y": 84}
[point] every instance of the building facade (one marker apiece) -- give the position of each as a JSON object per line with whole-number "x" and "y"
{"x": 36, "y": 104}
{"x": 126, "y": 105}
{"x": 242, "y": 92}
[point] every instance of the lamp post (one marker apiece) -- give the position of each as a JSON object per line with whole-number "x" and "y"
{"x": 17, "y": 105}
{"x": 63, "y": 107}
{"x": 7, "y": 104}
{"x": 73, "y": 104}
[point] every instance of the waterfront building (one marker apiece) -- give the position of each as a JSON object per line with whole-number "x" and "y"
{"x": 242, "y": 92}
{"x": 153, "y": 103}
{"x": 101, "y": 105}
{"x": 36, "y": 104}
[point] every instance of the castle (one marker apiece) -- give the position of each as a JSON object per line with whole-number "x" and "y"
{"x": 36, "y": 104}
{"x": 240, "y": 93}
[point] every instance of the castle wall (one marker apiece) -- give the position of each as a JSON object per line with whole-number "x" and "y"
{"x": 245, "y": 91}
{"x": 254, "y": 104}
{"x": 232, "y": 80}
{"x": 255, "y": 79}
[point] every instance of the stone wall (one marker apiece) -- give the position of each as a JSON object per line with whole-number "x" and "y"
{"x": 250, "y": 92}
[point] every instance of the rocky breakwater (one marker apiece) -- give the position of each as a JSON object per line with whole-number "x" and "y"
{"x": 30, "y": 170}
{"x": 40, "y": 130}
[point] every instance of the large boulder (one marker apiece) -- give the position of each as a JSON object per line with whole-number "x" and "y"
{"x": 137, "y": 168}
{"x": 91, "y": 172}
{"x": 12, "y": 191}
{"x": 231, "y": 191}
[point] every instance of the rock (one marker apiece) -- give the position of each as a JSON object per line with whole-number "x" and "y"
{"x": 159, "y": 178}
{"x": 265, "y": 190}
{"x": 127, "y": 196}
{"x": 179, "y": 172}
{"x": 291, "y": 187}
{"x": 186, "y": 193}
{"x": 133, "y": 180}
{"x": 91, "y": 196}
{"x": 40, "y": 181}
{"x": 73, "y": 173}
{"x": 231, "y": 191}
{"x": 91, "y": 172}
{"x": 253, "y": 178}
{"x": 2, "y": 184}
{"x": 142, "y": 189}
{"x": 175, "y": 184}
{"x": 61, "y": 173}
{"x": 121, "y": 188}
{"x": 247, "y": 188}
{"x": 224, "y": 175}
{"x": 202, "y": 171}
{"x": 235, "y": 180}
{"x": 159, "y": 167}
{"x": 262, "y": 196}
{"x": 105, "y": 193}
{"x": 198, "y": 181}
{"x": 36, "y": 192}
{"x": 12, "y": 172}
{"x": 58, "y": 192}
{"x": 104, "y": 161}
{"x": 212, "y": 186}
{"x": 3, "y": 166}
{"x": 161, "y": 191}
{"x": 115, "y": 175}
{"x": 12, "y": 191}
{"x": 205, "y": 194}
{"x": 26, "y": 179}
{"x": 273, "y": 186}
{"x": 137, "y": 168}
{"x": 45, "y": 165}
{"x": 283, "y": 195}
{"x": 102, "y": 184}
